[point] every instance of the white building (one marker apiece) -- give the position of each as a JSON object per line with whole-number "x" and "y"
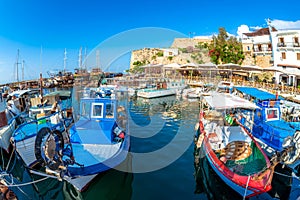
{"x": 170, "y": 52}
{"x": 286, "y": 55}
{"x": 257, "y": 47}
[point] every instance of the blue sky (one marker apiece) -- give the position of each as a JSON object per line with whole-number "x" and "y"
{"x": 41, "y": 30}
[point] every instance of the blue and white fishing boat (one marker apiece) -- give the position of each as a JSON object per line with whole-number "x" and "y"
{"x": 15, "y": 109}
{"x": 76, "y": 152}
{"x": 274, "y": 133}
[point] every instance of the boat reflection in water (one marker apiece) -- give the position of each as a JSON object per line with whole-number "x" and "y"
{"x": 208, "y": 182}
{"x": 111, "y": 184}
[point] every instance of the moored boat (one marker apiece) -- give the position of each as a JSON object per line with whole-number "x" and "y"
{"x": 75, "y": 152}
{"x": 162, "y": 89}
{"x": 276, "y": 134}
{"x": 225, "y": 86}
{"x": 231, "y": 150}
{"x": 8, "y": 124}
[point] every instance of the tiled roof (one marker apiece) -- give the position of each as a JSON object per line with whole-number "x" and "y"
{"x": 259, "y": 32}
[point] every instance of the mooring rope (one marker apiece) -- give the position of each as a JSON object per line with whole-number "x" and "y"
{"x": 12, "y": 184}
{"x": 289, "y": 176}
{"x": 8, "y": 163}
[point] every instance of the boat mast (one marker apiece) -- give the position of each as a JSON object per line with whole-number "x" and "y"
{"x": 23, "y": 70}
{"x": 85, "y": 58}
{"x": 65, "y": 60}
{"x": 80, "y": 59}
{"x": 98, "y": 59}
{"x": 17, "y": 66}
{"x": 41, "y": 87}
{"x": 270, "y": 30}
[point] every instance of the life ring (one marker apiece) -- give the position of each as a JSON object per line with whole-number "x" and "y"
{"x": 48, "y": 148}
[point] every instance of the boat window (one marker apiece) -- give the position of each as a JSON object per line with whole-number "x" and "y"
{"x": 97, "y": 110}
{"x": 85, "y": 109}
{"x": 272, "y": 114}
{"x": 109, "y": 110}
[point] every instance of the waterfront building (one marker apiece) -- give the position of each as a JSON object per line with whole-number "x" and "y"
{"x": 257, "y": 47}
{"x": 286, "y": 50}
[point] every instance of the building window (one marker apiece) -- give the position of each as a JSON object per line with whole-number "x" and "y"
{"x": 281, "y": 42}
{"x": 248, "y": 48}
{"x": 296, "y": 42}
{"x": 269, "y": 47}
{"x": 283, "y": 55}
{"x": 298, "y": 56}
{"x": 259, "y": 47}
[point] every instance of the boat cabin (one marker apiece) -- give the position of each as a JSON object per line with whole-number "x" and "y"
{"x": 269, "y": 126}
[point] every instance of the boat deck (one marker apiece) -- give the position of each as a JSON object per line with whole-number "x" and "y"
{"x": 92, "y": 132}
{"x": 92, "y": 154}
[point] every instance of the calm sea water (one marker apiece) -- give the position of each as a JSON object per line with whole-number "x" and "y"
{"x": 162, "y": 132}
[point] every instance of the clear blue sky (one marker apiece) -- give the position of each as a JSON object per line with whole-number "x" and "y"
{"x": 43, "y": 29}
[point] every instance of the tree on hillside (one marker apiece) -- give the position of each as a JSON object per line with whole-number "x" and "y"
{"x": 225, "y": 49}
{"x": 137, "y": 66}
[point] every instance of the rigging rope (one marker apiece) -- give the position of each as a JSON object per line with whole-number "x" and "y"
{"x": 244, "y": 197}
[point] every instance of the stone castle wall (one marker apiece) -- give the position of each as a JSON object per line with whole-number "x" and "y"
{"x": 150, "y": 55}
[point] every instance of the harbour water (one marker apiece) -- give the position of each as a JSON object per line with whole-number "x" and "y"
{"x": 154, "y": 125}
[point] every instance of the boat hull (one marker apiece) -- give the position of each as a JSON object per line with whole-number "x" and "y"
{"x": 156, "y": 93}
{"x": 6, "y": 133}
{"x": 246, "y": 186}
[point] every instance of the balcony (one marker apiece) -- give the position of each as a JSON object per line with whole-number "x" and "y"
{"x": 281, "y": 44}
{"x": 288, "y": 45}
{"x": 262, "y": 51}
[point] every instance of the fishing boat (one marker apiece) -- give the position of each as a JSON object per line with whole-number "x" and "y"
{"x": 229, "y": 147}
{"x": 8, "y": 124}
{"x": 275, "y": 134}
{"x": 76, "y": 152}
{"x": 16, "y": 106}
{"x": 225, "y": 86}
{"x": 162, "y": 89}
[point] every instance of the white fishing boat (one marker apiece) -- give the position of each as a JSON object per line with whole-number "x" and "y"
{"x": 7, "y": 126}
{"x": 162, "y": 89}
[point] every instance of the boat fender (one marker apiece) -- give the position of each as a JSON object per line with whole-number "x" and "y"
{"x": 197, "y": 126}
{"x": 48, "y": 148}
{"x": 291, "y": 156}
{"x": 119, "y": 132}
{"x": 287, "y": 141}
{"x": 296, "y": 138}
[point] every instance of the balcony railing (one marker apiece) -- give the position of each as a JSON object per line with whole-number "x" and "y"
{"x": 288, "y": 44}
